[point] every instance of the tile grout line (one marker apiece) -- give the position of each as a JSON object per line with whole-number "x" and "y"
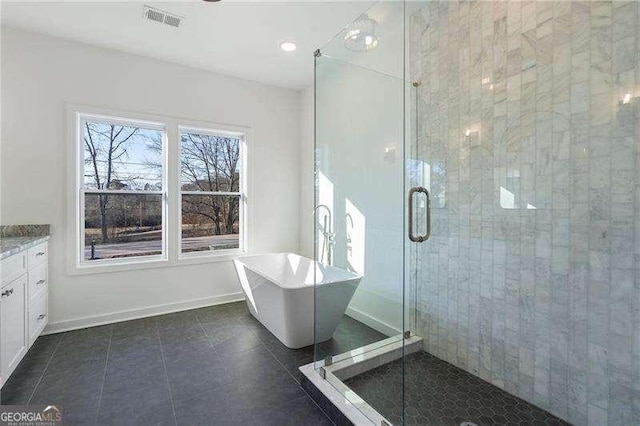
{"x": 279, "y": 362}
{"x": 104, "y": 374}
{"x": 166, "y": 374}
{"x": 206, "y": 334}
{"x": 46, "y": 367}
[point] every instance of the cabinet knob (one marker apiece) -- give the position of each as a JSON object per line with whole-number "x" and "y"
{"x": 40, "y": 282}
{"x": 40, "y": 253}
{"x": 7, "y": 293}
{"x": 41, "y": 317}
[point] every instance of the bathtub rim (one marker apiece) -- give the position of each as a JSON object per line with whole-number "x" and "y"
{"x": 353, "y": 277}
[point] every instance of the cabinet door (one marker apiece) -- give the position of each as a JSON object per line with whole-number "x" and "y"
{"x": 13, "y": 324}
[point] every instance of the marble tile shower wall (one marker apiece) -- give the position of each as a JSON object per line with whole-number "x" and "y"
{"x": 531, "y": 277}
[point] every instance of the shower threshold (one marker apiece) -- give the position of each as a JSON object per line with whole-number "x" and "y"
{"x": 325, "y": 379}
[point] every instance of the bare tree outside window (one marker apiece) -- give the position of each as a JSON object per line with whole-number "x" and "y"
{"x": 123, "y": 201}
{"x": 210, "y": 184}
{"x": 122, "y": 194}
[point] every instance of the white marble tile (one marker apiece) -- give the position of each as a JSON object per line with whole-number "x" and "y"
{"x": 556, "y": 137}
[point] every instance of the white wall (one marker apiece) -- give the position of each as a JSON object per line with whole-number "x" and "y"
{"x": 307, "y": 201}
{"x": 40, "y": 74}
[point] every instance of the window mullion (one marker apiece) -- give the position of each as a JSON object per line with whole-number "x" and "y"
{"x": 120, "y": 191}
{"x": 173, "y": 191}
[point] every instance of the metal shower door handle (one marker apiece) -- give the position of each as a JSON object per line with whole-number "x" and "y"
{"x": 425, "y": 237}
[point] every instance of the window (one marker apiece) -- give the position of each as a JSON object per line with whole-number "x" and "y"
{"x": 210, "y": 183}
{"x": 122, "y": 189}
{"x": 126, "y": 175}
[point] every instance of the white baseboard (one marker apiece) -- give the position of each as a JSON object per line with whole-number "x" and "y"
{"x": 373, "y": 322}
{"x": 114, "y": 317}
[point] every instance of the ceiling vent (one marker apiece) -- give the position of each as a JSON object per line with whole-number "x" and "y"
{"x": 162, "y": 17}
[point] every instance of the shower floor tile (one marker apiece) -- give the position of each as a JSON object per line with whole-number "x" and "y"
{"x": 438, "y": 393}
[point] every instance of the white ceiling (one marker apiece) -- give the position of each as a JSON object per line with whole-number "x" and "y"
{"x": 237, "y": 38}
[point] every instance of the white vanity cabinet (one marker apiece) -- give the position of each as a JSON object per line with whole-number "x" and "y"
{"x": 23, "y": 304}
{"x": 13, "y": 324}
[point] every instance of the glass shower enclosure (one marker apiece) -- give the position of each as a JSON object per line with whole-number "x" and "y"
{"x": 476, "y": 163}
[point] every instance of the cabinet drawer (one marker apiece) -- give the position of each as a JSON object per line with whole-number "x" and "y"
{"x": 38, "y": 317}
{"x": 38, "y": 281}
{"x": 13, "y": 266}
{"x": 37, "y": 255}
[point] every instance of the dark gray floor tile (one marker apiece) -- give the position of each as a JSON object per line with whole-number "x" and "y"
{"x": 28, "y": 371}
{"x": 231, "y": 338}
{"x": 233, "y": 308}
{"x": 139, "y": 327}
{"x": 77, "y": 409}
{"x": 192, "y": 381}
{"x": 194, "y": 368}
{"x": 58, "y": 387}
{"x": 207, "y": 408}
{"x": 16, "y": 393}
{"x": 212, "y": 363}
{"x": 77, "y": 392}
{"x": 253, "y": 365}
{"x": 274, "y": 375}
{"x": 140, "y": 400}
{"x": 290, "y": 357}
{"x": 149, "y": 342}
{"x": 177, "y": 354}
{"x": 217, "y": 316}
{"x": 262, "y": 395}
{"x": 235, "y": 404}
{"x": 182, "y": 333}
{"x": 240, "y": 308}
{"x": 262, "y": 333}
{"x": 176, "y": 320}
{"x": 302, "y": 411}
{"x": 146, "y": 414}
{"x": 87, "y": 361}
{"x": 44, "y": 346}
{"x": 295, "y": 372}
{"x": 82, "y": 349}
{"x": 86, "y": 336}
{"x": 131, "y": 376}
{"x": 78, "y": 415}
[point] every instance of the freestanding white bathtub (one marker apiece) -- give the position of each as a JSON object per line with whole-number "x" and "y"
{"x": 279, "y": 292}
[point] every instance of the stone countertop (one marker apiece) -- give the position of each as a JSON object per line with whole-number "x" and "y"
{"x": 12, "y": 245}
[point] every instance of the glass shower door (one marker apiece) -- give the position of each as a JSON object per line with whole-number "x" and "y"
{"x": 360, "y": 223}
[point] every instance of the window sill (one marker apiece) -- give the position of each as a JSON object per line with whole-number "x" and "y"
{"x": 197, "y": 258}
{"x": 156, "y": 262}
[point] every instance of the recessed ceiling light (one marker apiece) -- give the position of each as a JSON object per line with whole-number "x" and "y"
{"x": 288, "y": 46}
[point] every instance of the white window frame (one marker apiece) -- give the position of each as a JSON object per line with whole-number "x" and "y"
{"x": 83, "y": 118}
{"x": 242, "y": 201}
{"x": 172, "y": 207}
